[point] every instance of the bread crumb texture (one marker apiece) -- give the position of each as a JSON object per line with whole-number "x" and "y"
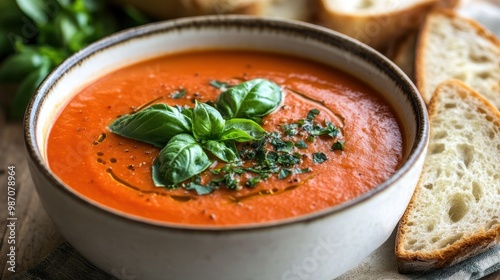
{"x": 457, "y": 200}
{"x": 458, "y": 48}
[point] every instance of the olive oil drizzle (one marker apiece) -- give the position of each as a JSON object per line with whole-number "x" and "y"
{"x": 320, "y": 103}
{"x": 101, "y": 138}
{"x": 180, "y": 198}
{"x": 273, "y": 191}
{"x": 143, "y": 106}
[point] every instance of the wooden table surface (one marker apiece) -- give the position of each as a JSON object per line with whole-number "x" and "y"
{"x": 35, "y": 234}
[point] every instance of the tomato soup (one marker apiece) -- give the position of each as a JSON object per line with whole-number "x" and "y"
{"x": 116, "y": 171}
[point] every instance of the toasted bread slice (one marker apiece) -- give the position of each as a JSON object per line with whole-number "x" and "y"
{"x": 454, "y": 47}
{"x": 454, "y": 213}
{"x": 374, "y": 22}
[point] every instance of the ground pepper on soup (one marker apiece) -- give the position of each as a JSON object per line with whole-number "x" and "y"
{"x": 164, "y": 139}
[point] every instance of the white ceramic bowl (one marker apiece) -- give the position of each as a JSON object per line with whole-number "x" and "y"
{"x": 321, "y": 245}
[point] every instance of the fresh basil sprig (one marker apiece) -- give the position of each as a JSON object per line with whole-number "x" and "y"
{"x": 185, "y": 134}
{"x": 251, "y": 99}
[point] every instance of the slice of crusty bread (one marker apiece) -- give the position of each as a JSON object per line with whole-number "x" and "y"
{"x": 455, "y": 210}
{"x": 450, "y": 46}
{"x": 374, "y": 22}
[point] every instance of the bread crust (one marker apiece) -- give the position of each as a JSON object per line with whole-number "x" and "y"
{"x": 375, "y": 29}
{"x": 465, "y": 247}
{"x": 423, "y": 42}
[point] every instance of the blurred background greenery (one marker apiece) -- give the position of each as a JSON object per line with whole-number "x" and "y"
{"x": 37, "y": 35}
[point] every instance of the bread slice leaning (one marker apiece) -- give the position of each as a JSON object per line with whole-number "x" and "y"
{"x": 374, "y": 22}
{"x": 454, "y": 47}
{"x": 454, "y": 213}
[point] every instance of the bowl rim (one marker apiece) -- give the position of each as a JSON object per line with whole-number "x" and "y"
{"x": 303, "y": 29}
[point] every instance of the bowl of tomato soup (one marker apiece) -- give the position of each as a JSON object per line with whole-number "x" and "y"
{"x": 226, "y": 148}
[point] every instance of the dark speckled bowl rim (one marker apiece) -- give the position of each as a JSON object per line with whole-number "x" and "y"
{"x": 317, "y": 33}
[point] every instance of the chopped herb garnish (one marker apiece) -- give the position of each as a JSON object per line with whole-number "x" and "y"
{"x": 313, "y": 113}
{"x": 301, "y": 144}
{"x": 330, "y": 130}
{"x": 319, "y": 157}
{"x": 284, "y": 173}
{"x": 220, "y": 85}
{"x": 290, "y": 129}
{"x": 288, "y": 160}
{"x": 228, "y": 180}
{"x": 252, "y": 182}
{"x": 280, "y": 145}
{"x": 338, "y": 146}
{"x": 303, "y": 170}
{"x": 178, "y": 93}
{"x": 310, "y": 138}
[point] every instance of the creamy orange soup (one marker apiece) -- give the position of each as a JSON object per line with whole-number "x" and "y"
{"x": 116, "y": 171}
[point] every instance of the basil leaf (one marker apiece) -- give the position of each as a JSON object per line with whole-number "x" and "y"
{"x": 26, "y": 89}
{"x": 181, "y": 159}
{"x": 12, "y": 22}
{"x": 284, "y": 173}
{"x": 301, "y": 144}
{"x": 208, "y": 123}
{"x": 17, "y": 67}
{"x": 35, "y": 9}
{"x": 290, "y": 129}
{"x": 180, "y": 93}
{"x": 221, "y": 150}
{"x": 313, "y": 113}
{"x": 242, "y": 130}
{"x": 302, "y": 171}
{"x": 254, "y": 98}
{"x": 252, "y": 182}
{"x": 66, "y": 29}
{"x": 319, "y": 157}
{"x": 281, "y": 146}
{"x": 155, "y": 125}
{"x": 338, "y": 146}
{"x": 219, "y": 85}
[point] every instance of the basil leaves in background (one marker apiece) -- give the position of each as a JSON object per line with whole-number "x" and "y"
{"x": 185, "y": 135}
{"x": 37, "y": 35}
